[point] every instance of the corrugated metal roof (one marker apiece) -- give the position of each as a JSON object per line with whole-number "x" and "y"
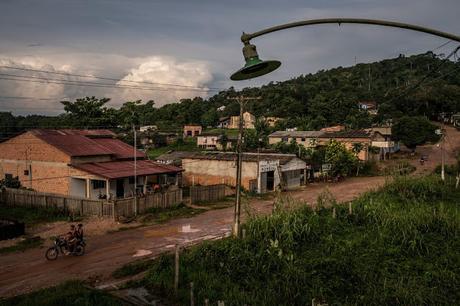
{"x": 231, "y": 156}
{"x": 348, "y": 134}
{"x": 121, "y": 169}
{"x": 119, "y": 149}
{"x": 87, "y": 142}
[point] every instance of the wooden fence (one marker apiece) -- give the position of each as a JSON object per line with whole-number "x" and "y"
{"x": 208, "y": 193}
{"x": 86, "y": 207}
{"x": 128, "y": 207}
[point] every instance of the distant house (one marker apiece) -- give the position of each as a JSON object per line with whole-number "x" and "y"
{"x": 151, "y": 138}
{"x": 82, "y": 163}
{"x": 349, "y": 139}
{"x": 249, "y": 121}
{"x": 369, "y": 106}
{"x": 215, "y": 141}
{"x": 260, "y": 173}
{"x": 271, "y": 121}
{"x": 381, "y": 138}
{"x": 192, "y": 130}
{"x": 146, "y": 128}
{"x": 224, "y": 122}
{"x": 312, "y": 139}
{"x": 308, "y": 139}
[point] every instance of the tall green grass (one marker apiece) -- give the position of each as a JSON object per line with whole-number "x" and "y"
{"x": 400, "y": 246}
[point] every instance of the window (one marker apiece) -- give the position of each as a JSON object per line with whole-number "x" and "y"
{"x": 8, "y": 176}
{"x": 26, "y": 172}
{"x": 284, "y": 139}
{"x": 303, "y": 138}
{"x": 97, "y": 184}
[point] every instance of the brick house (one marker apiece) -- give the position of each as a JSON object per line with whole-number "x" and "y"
{"x": 83, "y": 163}
{"x": 215, "y": 141}
{"x": 192, "y": 130}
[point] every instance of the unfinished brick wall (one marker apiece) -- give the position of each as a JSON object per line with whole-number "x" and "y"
{"x": 47, "y": 166}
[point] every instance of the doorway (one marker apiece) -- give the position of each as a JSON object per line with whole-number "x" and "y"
{"x": 120, "y": 188}
{"x": 270, "y": 180}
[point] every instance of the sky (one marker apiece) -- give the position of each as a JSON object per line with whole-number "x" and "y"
{"x": 194, "y": 45}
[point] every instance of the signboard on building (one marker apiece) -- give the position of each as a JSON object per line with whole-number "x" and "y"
{"x": 266, "y": 166}
{"x": 326, "y": 167}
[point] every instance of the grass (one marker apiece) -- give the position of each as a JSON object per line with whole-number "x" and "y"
{"x": 188, "y": 144}
{"x": 228, "y": 132}
{"x": 70, "y": 293}
{"x": 21, "y": 246}
{"x": 162, "y": 215}
{"x": 31, "y": 216}
{"x": 132, "y": 268}
{"x": 399, "y": 246}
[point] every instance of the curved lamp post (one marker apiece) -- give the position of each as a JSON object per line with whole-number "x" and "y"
{"x": 255, "y": 67}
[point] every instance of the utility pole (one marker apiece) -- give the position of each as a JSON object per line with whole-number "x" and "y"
{"x": 443, "y": 177}
{"x": 239, "y": 163}
{"x": 135, "y": 169}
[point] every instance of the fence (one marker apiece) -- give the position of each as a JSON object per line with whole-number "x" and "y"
{"x": 128, "y": 207}
{"x": 208, "y": 193}
{"x": 87, "y": 207}
{"x": 68, "y": 204}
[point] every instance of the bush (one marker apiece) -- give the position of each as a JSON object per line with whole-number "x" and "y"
{"x": 398, "y": 247}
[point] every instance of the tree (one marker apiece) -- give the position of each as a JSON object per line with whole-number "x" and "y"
{"x": 342, "y": 161}
{"x": 88, "y": 112}
{"x": 414, "y": 131}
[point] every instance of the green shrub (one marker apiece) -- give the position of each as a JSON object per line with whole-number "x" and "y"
{"x": 400, "y": 246}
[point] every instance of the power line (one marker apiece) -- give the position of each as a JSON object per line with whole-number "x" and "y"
{"x": 435, "y": 70}
{"x": 106, "y": 78}
{"x": 34, "y": 79}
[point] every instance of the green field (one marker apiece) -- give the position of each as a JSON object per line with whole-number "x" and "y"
{"x": 399, "y": 246}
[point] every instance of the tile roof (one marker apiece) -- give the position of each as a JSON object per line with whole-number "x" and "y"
{"x": 121, "y": 169}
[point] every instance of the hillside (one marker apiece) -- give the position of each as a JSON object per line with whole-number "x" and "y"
{"x": 424, "y": 84}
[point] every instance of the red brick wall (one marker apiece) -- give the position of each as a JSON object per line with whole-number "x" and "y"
{"x": 49, "y": 165}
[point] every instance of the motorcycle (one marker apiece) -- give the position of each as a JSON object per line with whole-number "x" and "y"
{"x": 60, "y": 245}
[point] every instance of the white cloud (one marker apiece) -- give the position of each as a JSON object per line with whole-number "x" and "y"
{"x": 167, "y": 70}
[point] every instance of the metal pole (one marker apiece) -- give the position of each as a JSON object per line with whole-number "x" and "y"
{"x": 245, "y": 38}
{"x": 442, "y": 151}
{"x": 135, "y": 170}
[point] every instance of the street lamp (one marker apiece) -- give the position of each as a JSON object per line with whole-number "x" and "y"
{"x": 255, "y": 67}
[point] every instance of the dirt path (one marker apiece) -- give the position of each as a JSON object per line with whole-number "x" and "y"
{"x": 24, "y": 272}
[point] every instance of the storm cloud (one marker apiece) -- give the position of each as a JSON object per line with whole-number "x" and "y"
{"x": 193, "y": 43}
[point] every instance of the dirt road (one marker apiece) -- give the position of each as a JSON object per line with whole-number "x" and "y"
{"x": 24, "y": 272}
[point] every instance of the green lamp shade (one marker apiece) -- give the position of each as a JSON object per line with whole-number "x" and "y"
{"x": 254, "y": 68}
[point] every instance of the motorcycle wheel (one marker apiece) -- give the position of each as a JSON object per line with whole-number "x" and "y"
{"x": 79, "y": 250}
{"x": 52, "y": 253}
